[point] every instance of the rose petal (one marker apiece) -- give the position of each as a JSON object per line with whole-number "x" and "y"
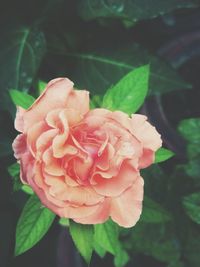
{"x": 118, "y": 184}
{"x": 126, "y": 209}
{"x": 33, "y": 134}
{"x": 147, "y": 158}
{"x": 99, "y": 216}
{"x": 77, "y": 212}
{"x": 19, "y": 120}
{"x": 19, "y": 146}
{"x": 52, "y": 165}
{"x": 58, "y": 94}
{"x": 145, "y": 132}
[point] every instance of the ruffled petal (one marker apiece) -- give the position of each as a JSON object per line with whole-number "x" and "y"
{"x": 147, "y": 158}
{"x": 99, "y": 216}
{"x": 145, "y": 132}
{"x": 126, "y": 209}
{"x": 19, "y": 120}
{"x": 116, "y": 185}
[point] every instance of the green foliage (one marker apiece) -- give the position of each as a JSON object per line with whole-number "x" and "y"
{"x": 191, "y": 248}
{"x": 129, "y": 93}
{"x": 14, "y": 169}
{"x": 107, "y": 237}
{"x": 82, "y": 236}
{"x": 96, "y": 102}
{"x": 190, "y": 130}
{"x": 130, "y": 10}
{"x": 99, "y": 250}
{"x": 191, "y": 204}
{"x": 64, "y": 221}
{"x": 27, "y": 189}
{"x": 155, "y": 241}
{"x": 153, "y": 212}
{"x": 163, "y": 154}
{"x": 20, "y": 57}
{"x": 21, "y": 99}
{"x": 41, "y": 86}
{"x": 97, "y": 71}
{"x": 32, "y": 225}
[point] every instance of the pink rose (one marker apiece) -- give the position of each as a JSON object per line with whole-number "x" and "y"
{"x": 84, "y": 164}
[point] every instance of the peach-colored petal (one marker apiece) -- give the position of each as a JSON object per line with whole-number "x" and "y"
{"x": 47, "y": 202}
{"x": 104, "y": 159}
{"x": 77, "y": 212}
{"x": 44, "y": 141}
{"x": 52, "y": 118}
{"x": 99, "y": 216}
{"x": 60, "y": 140}
{"x": 121, "y": 118}
{"x": 118, "y": 184}
{"x": 24, "y": 157}
{"x": 147, "y": 158}
{"x": 79, "y": 100}
{"x": 52, "y": 165}
{"x": 58, "y": 94}
{"x": 33, "y": 134}
{"x": 70, "y": 181}
{"x": 82, "y": 168}
{"x": 145, "y": 132}
{"x": 19, "y": 146}
{"x": 19, "y": 120}
{"x": 126, "y": 209}
{"x": 80, "y": 195}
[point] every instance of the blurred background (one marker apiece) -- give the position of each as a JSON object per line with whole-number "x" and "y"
{"x": 95, "y": 43}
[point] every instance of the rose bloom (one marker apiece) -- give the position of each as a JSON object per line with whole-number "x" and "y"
{"x": 84, "y": 164}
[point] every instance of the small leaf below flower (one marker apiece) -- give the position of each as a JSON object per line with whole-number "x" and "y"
{"x": 82, "y": 236}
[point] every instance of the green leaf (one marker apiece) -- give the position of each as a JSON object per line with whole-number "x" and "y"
{"x": 99, "y": 70}
{"x": 64, "y": 221}
{"x": 14, "y": 169}
{"x": 154, "y": 212}
{"x": 32, "y": 225}
{"x": 192, "y": 168}
{"x": 106, "y": 235}
{"x": 41, "y": 86}
{"x": 27, "y": 189}
{"x": 129, "y": 93}
{"x": 193, "y": 150}
{"x": 121, "y": 258}
{"x": 158, "y": 242}
{"x": 96, "y": 101}
{"x": 21, "y": 99}
{"x": 191, "y": 205}
{"x": 99, "y": 250}
{"x": 163, "y": 154}
{"x": 82, "y": 236}
{"x": 21, "y": 53}
{"x": 190, "y": 130}
{"x": 130, "y": 10}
